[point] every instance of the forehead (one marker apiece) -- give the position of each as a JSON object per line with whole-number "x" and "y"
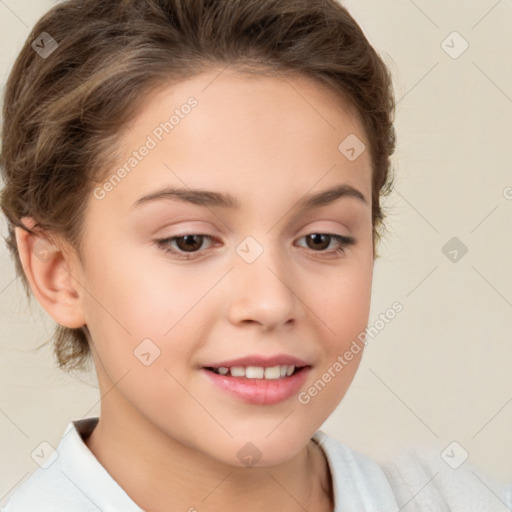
{"x": 232, "y": 95}
{"x": 244, "y": 132}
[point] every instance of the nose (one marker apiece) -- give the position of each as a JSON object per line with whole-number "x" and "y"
{"x": 262, "y": 292}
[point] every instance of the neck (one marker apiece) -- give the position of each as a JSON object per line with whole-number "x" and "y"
{"x": 160, "y": 473}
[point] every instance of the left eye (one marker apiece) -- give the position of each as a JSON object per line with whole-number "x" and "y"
{"x": 190, "y": 244}
{"x": 321, "y": 238}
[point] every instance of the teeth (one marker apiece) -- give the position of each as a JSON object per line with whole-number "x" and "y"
{"x": 237, "y": 371}
{"x": 272, "y": 373}
{"x": 257, "y": 372}
{"x": 254, "y": 372}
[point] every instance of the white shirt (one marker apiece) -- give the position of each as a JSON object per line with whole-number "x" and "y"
{"x": 73, "y": 480}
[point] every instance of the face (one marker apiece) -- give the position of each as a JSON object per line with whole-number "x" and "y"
{"x": 173, "y": 285}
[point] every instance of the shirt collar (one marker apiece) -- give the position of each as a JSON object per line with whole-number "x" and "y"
{"x": 84, "y": 470}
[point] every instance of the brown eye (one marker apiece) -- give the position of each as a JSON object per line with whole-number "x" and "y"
{"x": 183, "y": 247}
{"x": 318, "y": 241}
{"x": 189, "y": 243}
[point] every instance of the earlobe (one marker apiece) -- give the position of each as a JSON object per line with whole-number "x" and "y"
{"x": 47, "y": 270}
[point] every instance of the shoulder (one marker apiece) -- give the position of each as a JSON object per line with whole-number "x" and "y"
{"x": 47, "y": 490}
{"x": 427, "y": 476}
{"x": 70, "y": 479}
{"x": 413, "y": 480}
{"x": 51, "y": 486}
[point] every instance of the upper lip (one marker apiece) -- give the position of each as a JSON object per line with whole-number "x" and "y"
{"x": 261, "y": 361}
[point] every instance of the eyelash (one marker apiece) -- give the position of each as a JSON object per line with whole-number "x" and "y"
{"x": 163, "y": 244}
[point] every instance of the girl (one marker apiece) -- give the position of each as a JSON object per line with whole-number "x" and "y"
{"x": 193, "y": 194}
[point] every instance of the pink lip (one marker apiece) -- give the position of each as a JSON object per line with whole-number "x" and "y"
{"x": 260, "y": 391}
{"x": 264, "y": 361}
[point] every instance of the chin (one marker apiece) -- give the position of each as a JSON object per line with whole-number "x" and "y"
{"x": 260, "y": 452}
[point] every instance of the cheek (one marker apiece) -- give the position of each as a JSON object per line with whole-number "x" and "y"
{"x": 344, "y": 303}
{"x": 343, "y": 308}
{"x": 133, "y": 294}
{"x": 142, "y": 344}
{"x": 146, "y": 316}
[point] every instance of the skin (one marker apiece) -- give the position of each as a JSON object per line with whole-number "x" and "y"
{"x": 166, "y": 434}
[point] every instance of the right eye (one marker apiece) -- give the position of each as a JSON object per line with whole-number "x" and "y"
{"x": 186, "y": 244}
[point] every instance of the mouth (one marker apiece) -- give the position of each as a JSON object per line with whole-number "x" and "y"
{"x": 258, "y": 385}
{"x": 276, "y": 372}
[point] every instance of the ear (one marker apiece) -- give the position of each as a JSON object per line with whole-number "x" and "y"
{"x": 47, "y": 269}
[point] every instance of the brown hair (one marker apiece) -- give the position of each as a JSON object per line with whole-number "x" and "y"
{"x": 63, "y": 112}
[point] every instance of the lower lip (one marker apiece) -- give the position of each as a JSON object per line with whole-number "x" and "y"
{"x": 260, "y": 391}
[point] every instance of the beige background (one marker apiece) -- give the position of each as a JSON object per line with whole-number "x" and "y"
{"x": 440, "y": 371}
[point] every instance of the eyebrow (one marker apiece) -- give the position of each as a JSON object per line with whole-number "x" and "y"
{"x": 218, "y": 199}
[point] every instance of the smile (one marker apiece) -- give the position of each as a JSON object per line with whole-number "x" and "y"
{"x": 256, "y": 372}
{"x": 251, "y": 385}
